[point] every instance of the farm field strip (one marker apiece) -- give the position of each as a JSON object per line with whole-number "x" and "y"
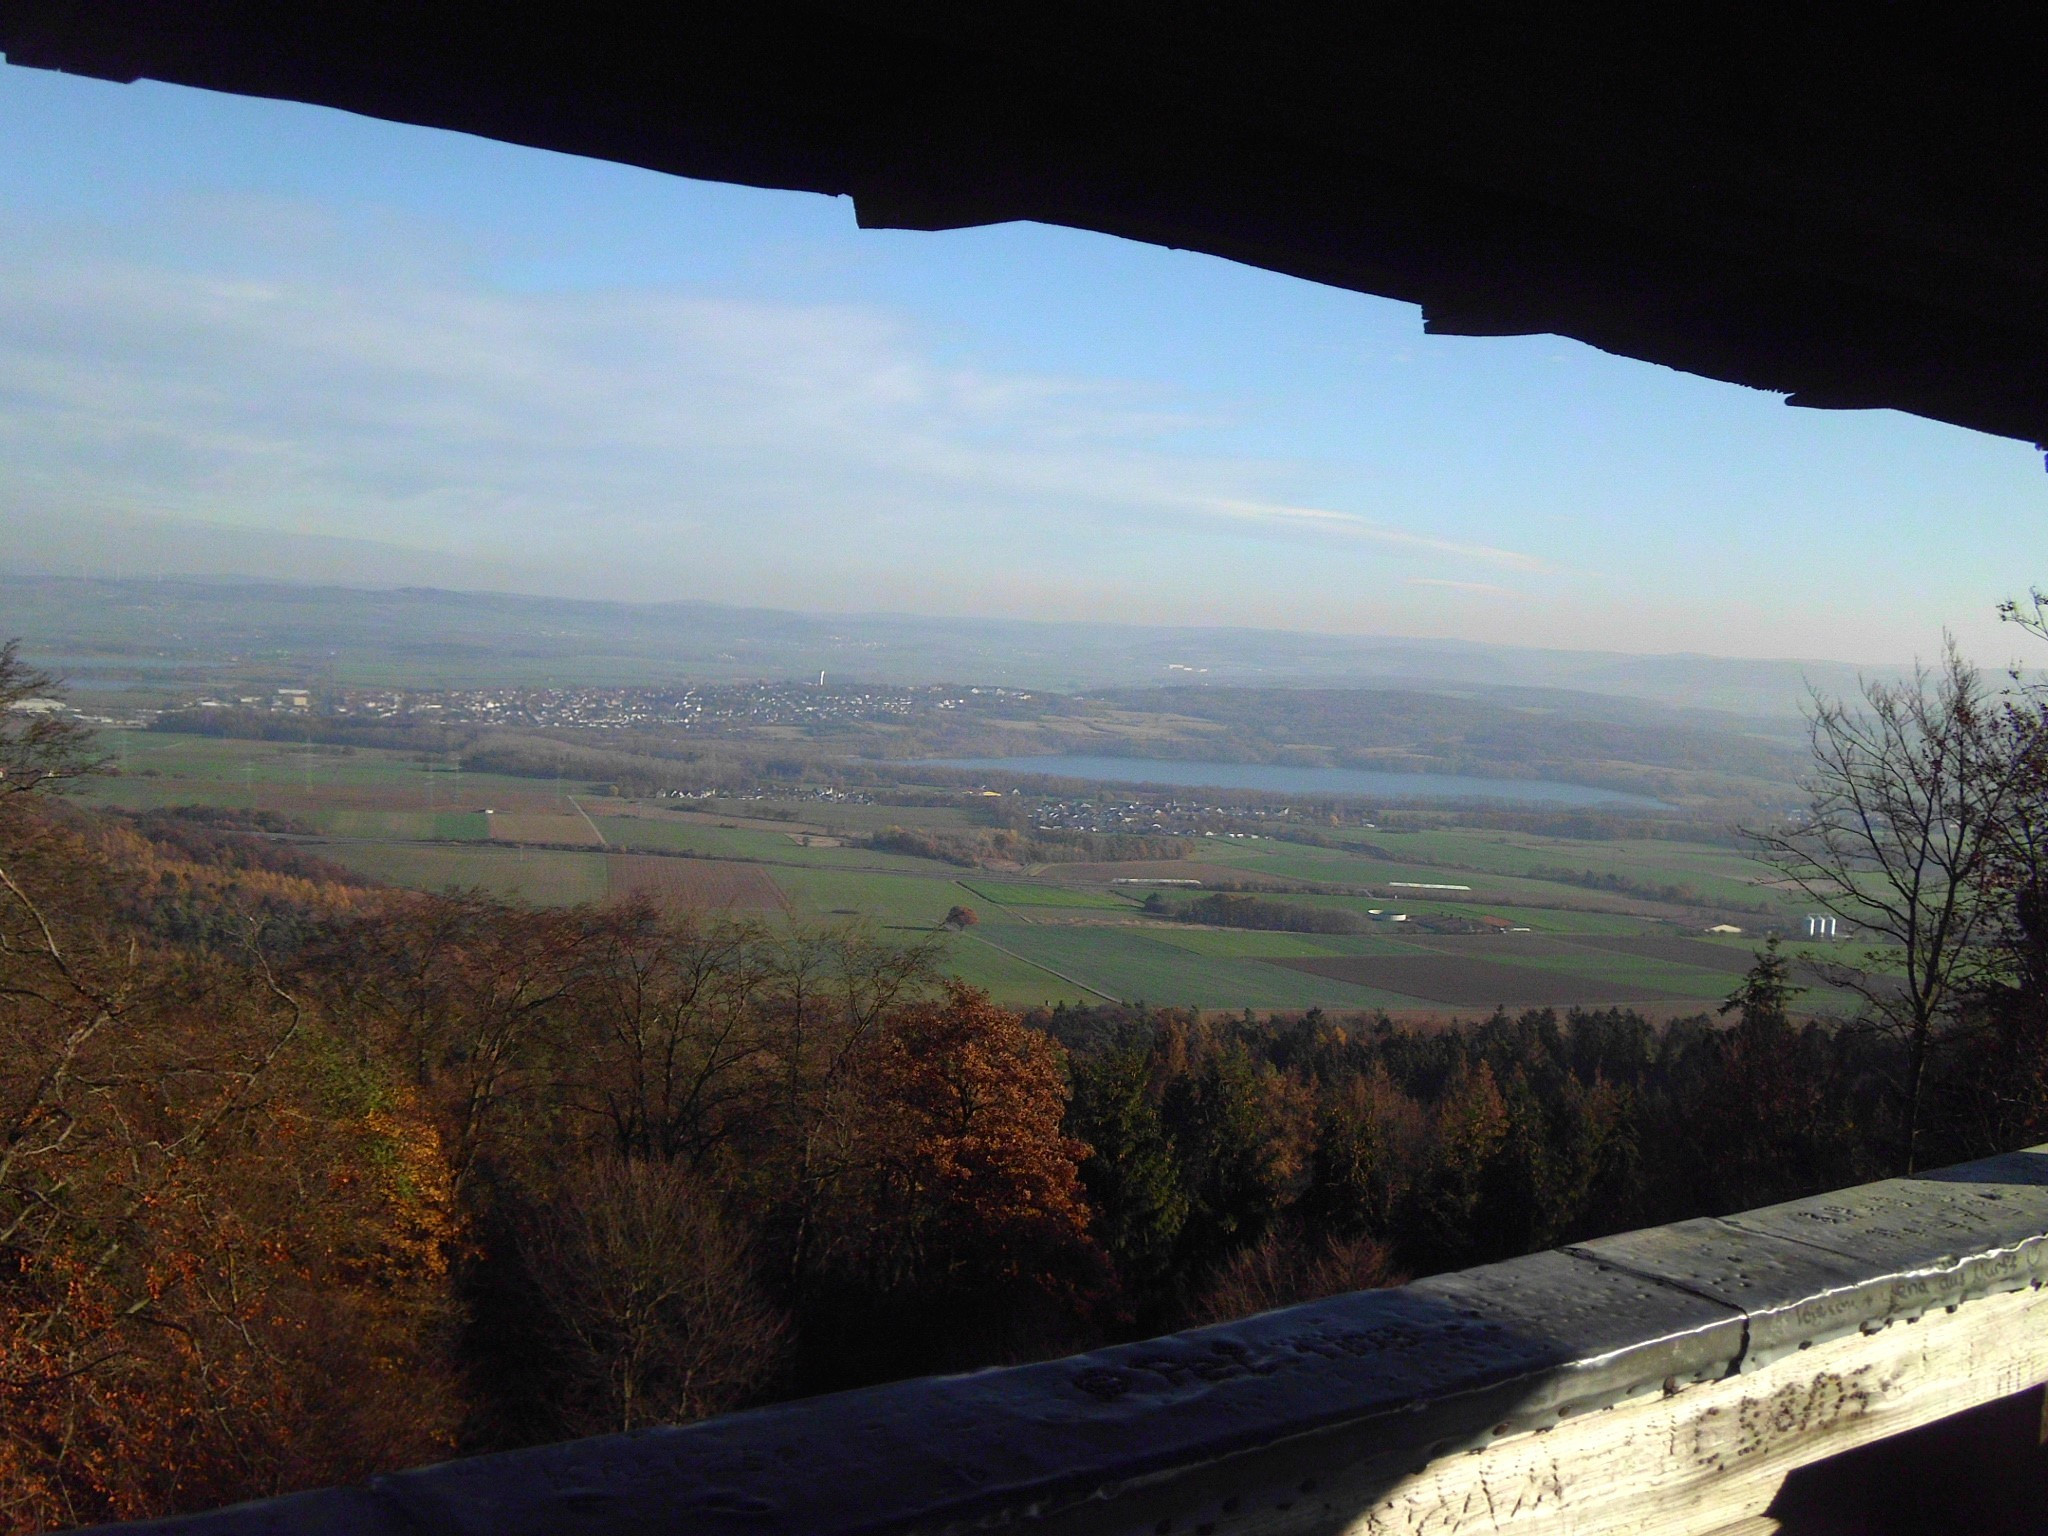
{"x": 1508, "y": 853}
{"x": 549, "y": 877}
{"x": 888, "y": 900}
{"x": 138, "y": 793}
{"x": 1008, "y": 977}
{"x": 878, "y": 860}
{"x": 855, "y": 820}
{"x": 342, "y": 772}
{"x": 1628, "y": 961}
{"x": 1258, "y": 943}
{"x": 1598, "y": 959}
{"x": 773, "y": 848}
{"x": 1130, "y": 963}
{"x": 1017, "y": 893}
{"x": 694, "y": 885}
{"x": 1514, "y": 948}
{"x": 1241, "y": 943}
{"x": 641, "y": 810}
{"x": 1461, "y": 981}
{"x": 1145, "y": 874}
{"x": 1507, "y": 870}
{"x": 561, "y": 828}
{"x": 986, "y": 942}
{"x": 1595, "y": 969}
{"x": 404, "y": 826}
{"x": 689, "y": 837}
{"x": 1552, "y": 920}
{"x": 1418, "y": 905}
{"x": 1729, "y": 958}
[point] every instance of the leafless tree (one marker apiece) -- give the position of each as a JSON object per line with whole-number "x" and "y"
{"x": 2031, "y": 615}
{"x": 41, "y": 746}
{"x": 2005, "y": 1093}
{"x": 1911, "y": 793}
{"x": 658, "y": 1314}
{"x": 826, "y": 1003}
{"x": 668, "y": 1051}
{"x": 1287, "y": 1267}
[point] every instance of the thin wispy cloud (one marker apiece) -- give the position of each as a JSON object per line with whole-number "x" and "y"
{"x": 1351, "y": 525}
{"x": 640, "y": 441}
{"x": 1482, "y": 588}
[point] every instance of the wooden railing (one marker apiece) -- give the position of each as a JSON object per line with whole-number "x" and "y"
{"x": 1661, "y": 1381}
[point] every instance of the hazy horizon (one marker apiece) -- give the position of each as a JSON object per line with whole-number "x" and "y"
{"x": 122, "y": 569}
{"x": 215, "y": 626}
{"x": 252, "y": 338}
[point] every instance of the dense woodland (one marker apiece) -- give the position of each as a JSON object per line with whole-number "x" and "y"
{"x": 302, "y": 1178}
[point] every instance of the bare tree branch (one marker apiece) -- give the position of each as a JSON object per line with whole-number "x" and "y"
{"x": 1910, "y": 795}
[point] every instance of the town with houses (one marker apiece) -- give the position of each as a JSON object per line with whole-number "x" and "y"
{"x": 1178, "y": 816}
{"x": 708, "y": 708}
{"x": 716, "y": 709}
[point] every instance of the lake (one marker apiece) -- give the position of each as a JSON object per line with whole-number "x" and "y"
{"x": 1279, "y": 779}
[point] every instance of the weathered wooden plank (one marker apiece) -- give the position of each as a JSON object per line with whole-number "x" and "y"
{"x": 1811, "y": 1269}
{"x": 1347, "y": 1394}
{"x": 1789, "y": 1293}
{"x": 1713, "y": 1456}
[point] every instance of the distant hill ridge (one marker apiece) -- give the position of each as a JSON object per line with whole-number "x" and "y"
{"x": 454, "y": 638}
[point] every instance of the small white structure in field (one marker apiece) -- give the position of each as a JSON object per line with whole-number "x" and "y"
{"x": 1819, "y": 927}
{"x": 1724, "y": 928}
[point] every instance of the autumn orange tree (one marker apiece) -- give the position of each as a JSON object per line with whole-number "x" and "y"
{"x": 222, "y": 1239}
{"x": 956, "y": 1228}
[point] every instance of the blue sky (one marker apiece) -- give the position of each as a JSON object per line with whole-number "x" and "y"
{"x": 242, "y": 335}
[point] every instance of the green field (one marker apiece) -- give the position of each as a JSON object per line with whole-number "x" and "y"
{"x": 549, "y": 877}
{"x": 1132, "y": 964}
{"x": 159, "y": 768}
{"x": 402, "y": 826}
{"x": 887, "y": 900}
{"x": 980, "y": 962}
{"x": 644, "y": 832}
{"x": 1059, "y": 931}
{"x": 1017, "y": 893}
{"x": 1246, "y": 944}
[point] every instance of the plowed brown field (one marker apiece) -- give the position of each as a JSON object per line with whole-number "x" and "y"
{"x": 1710, "y": 957}
{"x": 694, "y": 885}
